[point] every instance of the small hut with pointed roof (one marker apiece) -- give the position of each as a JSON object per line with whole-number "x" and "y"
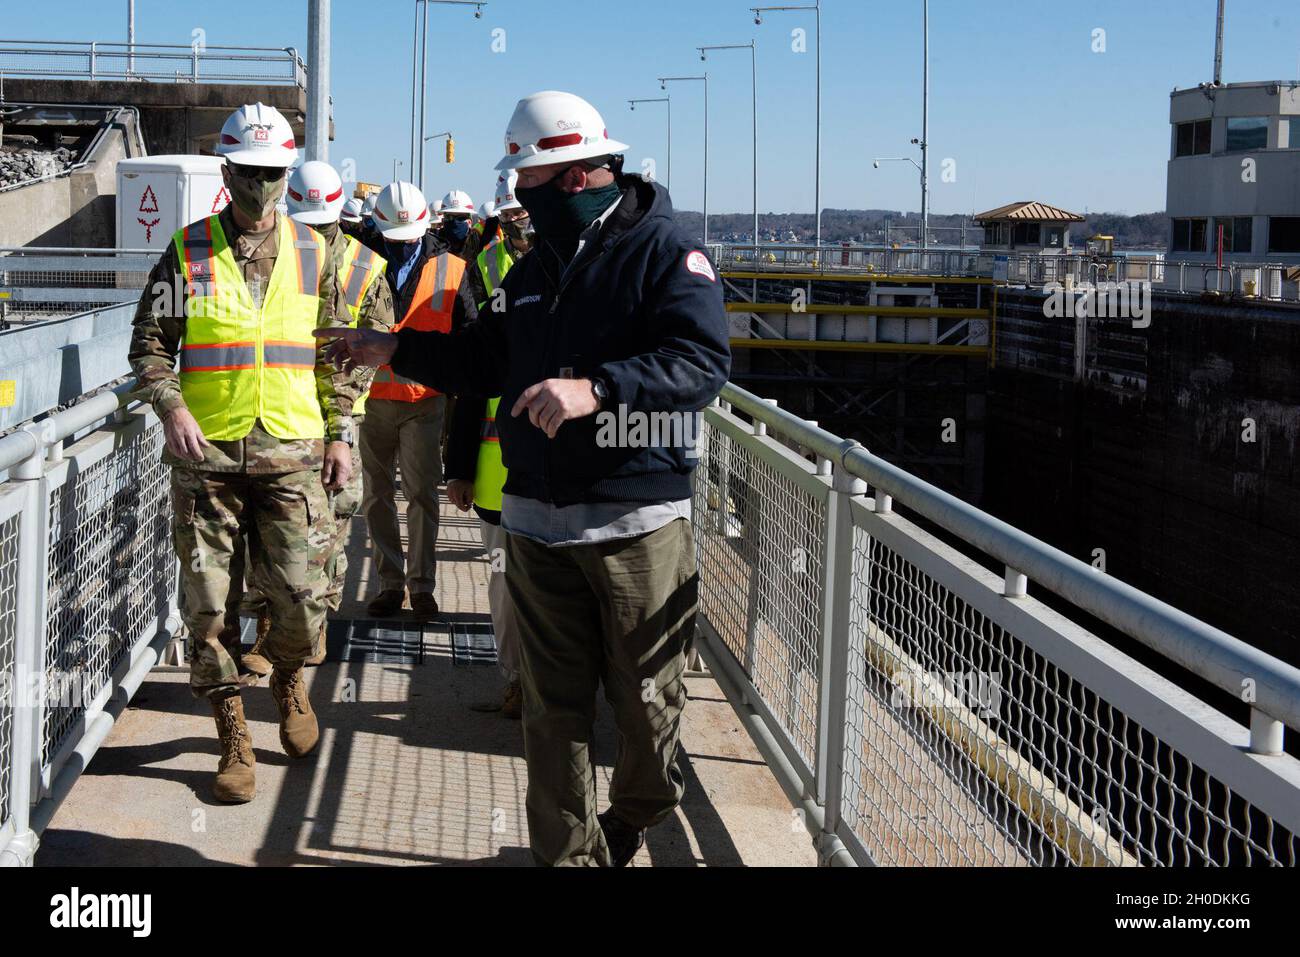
{"x": 1027, "y": 227}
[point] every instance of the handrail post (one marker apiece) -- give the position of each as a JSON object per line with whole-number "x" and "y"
{"x": 29, "y": 687}
{"x": 1266, "y": 733}
{"x": 92, "y": 59}
{"x": 834, "y": 717}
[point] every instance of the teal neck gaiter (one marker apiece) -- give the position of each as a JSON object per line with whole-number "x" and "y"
{"x": 560, "y": 217}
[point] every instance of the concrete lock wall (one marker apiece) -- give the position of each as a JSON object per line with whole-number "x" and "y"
{"x": 76, "y": 209}
{"x": 185, "y": 118}
{"x": 1177, "y": 455}
{"x": 175, "y": 117}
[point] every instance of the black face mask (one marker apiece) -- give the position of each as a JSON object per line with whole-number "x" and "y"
{"x": 561, "y": 217}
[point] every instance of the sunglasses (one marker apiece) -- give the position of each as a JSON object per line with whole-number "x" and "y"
{"x": 265, "y": 174}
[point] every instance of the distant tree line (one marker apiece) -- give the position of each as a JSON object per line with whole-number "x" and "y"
{"x": 869, "y": 226}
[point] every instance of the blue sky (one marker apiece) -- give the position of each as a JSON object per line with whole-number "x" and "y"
{"x": 1020, "y": 102}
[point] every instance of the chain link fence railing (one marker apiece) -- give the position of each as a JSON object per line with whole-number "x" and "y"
{"x": 45, "y": 283}
{"x": 8, "y": 644}
{"x": 87, "y": 595}
{"x": 110, "y": 576}
{"x": 922, "y": 708}
{"x": 1268, "y": 281}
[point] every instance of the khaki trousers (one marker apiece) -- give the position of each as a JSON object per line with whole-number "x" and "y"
{"x": 405, "y": 435}
{"x": 504, "y": 625}
{"x": 621, "y": 614}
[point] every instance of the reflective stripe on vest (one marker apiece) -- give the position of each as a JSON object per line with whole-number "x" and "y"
{"x": 430, "y": 311}
{"x": 357, "y": 273}
{"x": 240, "y": 363}
{"x": 359, "y": 270}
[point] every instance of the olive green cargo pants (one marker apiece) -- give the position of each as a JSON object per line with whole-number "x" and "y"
{"x": 618, "y": 613}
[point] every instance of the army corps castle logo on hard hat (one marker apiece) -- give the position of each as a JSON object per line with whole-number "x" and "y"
{"x": 401, "y": 212}
{"x": 315, "y": 194}
{"x": 257, "y": 135}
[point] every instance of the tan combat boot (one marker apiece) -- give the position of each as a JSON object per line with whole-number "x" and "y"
{"x": 318, "y": 656}
{"x": 299, "y": 732}
{"x": 235, "y": 778}
{"x": 254, "y": 659}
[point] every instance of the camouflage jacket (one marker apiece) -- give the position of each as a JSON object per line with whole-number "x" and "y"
{"x": 156, "y": 342}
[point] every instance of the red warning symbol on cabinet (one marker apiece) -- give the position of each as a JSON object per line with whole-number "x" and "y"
{"x": 148, "y": 201}
{"x": 220, "y": 200}
{"x": 148, "y": 204}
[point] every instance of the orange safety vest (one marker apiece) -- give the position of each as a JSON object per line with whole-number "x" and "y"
{"x": 430, "y": 311}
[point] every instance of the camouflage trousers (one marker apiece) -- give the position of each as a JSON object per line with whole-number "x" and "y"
{"x": 330, "y": 551}
{"x": 345, "y": 503}
{"x": 222, "y": 520}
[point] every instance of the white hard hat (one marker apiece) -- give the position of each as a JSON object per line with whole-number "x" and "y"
{"x": 457, "y": 202}
{"x": 315, "y": 193}
{"x": 505, "y": 195}
{"x": 368, "y": 207}
{"x": 554, "y": 127}
{"x": 257, "y": 135}
{"x": 401, "y": 212}
{"x": 437, "y": 206}
{"x": 353, "y": 209}
{"x": 487, "y": 210}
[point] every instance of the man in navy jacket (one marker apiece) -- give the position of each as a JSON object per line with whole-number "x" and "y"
{"x": 604, "y": 342}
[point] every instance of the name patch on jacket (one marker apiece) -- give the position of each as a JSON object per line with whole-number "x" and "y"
{"x": 527, "y": 301}
{"x": 699, "y": 264}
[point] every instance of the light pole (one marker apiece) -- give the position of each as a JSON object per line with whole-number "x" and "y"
{"x": 438, "y": 135}
{"x": 925, "y": 129}
{"x": 668, "y": 180}
{"x": 704, "y": 78}
{"x": 753, "y": 65}
{"x": 925, "y": 187}
{"x": 423, "y": 42}
{"x": 316, "y": 145}
{"x": 415, "y": 76}
{"x": 396, "y": 164}
{"x": 817, "y": 188}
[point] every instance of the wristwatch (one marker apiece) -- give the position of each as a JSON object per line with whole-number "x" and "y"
{"x": 600, "y": 391}
{"x": 345, "y": 434}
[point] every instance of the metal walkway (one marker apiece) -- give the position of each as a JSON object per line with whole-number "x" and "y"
{"x": 407, "y": 772}
{"x": 926, "y": 684}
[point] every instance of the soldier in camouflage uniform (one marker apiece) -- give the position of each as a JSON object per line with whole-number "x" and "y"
{"x": 370, "y": 302}
{"x": 257, "y": 427}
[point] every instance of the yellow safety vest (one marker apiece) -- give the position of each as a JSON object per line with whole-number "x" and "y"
{"x": 240, "y": 363}
{"x": 494, "y": 261}
{"x": 358, "y": 271}
{"x": 490, "y": 473}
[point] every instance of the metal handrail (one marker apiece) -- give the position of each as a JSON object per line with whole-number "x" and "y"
{"x": 1204, "y": 650}
{"x": 137, "y": 53}
{"x": 26, "y": 443}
